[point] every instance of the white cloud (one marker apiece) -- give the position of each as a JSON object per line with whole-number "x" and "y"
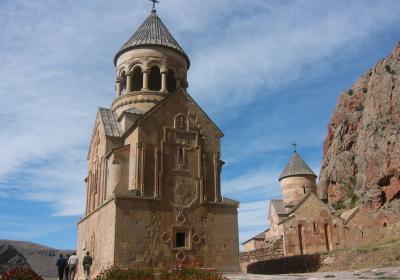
{"x": 57, "y": 69}
{"x": 252, "y": 219}
{"x": 21, "y": 228}
{"x": 252, "y": 180}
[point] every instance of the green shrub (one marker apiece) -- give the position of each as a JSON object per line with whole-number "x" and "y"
{"x": 189, "y": 274}
{"x": 360, "y": 107}
{"x": 350, "y": 92}
{"x": 118, "y": 273}
{"x": 338, "y": 205}
{"x": 389, "y": 70}
{"x": 19, "y": 273}
{"x": 354, "y": 198}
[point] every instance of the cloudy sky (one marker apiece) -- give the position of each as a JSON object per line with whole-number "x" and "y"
{"x": 268, "y": 72}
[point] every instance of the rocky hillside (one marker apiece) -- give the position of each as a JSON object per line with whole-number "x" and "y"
{"x": 10, "y": 258}
{"x": 41, "y": 258}
{"x": 361, "y": 155}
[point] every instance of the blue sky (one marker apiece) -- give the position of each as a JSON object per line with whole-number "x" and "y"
{"x": 268, "y": 72}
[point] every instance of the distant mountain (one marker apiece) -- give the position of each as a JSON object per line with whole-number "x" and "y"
{"x": 10, "y": 258}
{"x": 40, "y": 258}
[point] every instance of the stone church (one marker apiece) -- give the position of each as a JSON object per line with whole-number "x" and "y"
{"x": 154, "y": 163}
{"x": 301, "y": 223}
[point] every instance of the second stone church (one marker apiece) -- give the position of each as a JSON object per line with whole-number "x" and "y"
{"x": 153, "y": 184}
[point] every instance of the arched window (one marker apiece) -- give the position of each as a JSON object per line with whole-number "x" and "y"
{"x": 123, "y": 81}
{"x": 171, "y": 82}
{"x": 137, "y": 79}
{"x": 155, "y": 78}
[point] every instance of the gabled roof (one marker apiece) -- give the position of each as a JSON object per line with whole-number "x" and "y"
{"x": 260, "y": 236}
{"x": 152, "y": 32}
{"x": 295, "y": 167}
{"x": 164, "y": 101}
{"x": 109, "y": 120}
{"x": 347, "y": 215}
{"x": 279, "y": 207}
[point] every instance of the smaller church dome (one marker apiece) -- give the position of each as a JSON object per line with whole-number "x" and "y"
{"x": 152, "y": 32}
{"x": 296, "y": 167}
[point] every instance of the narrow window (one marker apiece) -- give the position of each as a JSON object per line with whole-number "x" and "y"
{"x": 137, "y": 79}
{"x": 327, "y": 237}
{"x": 180, "y": 157}
{"x": 315, "y": 227}
{"x": 304, "y": 189}
{"x": 180, "y": 239}
{"x": 362, "y": 234}
{"x": 155, "y": 78}
{"x": 384, "y": 224}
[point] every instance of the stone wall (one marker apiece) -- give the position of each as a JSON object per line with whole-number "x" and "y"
{"x": 293, "y": 264}
{"x": 272, "y": 249}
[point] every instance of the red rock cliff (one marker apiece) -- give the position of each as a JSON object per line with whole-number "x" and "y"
{"x": 361, "y": 155}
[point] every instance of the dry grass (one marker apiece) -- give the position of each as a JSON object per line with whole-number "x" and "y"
{"x": 385, "y": 252}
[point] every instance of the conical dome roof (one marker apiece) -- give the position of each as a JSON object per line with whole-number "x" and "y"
{"x": 296, "y": 167}
{"x": 152, "y": 32}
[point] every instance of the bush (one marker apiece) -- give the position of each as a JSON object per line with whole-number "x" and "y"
{"x": 19, "y": 273}
{"x": 389, "y": 70}
{"x": 117, "y": 273}
{"x": 338, "y": 205}
{"x": 189, "y": 274}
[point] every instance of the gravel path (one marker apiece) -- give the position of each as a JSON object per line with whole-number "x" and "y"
{"x": 386, "y": 273}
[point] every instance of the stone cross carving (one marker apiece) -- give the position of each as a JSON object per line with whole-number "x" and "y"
{"x": 179, "y": 192}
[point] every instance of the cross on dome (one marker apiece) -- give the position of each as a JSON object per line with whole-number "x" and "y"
{"x": 154, "y": 3}
{"x": 294, "y": 146}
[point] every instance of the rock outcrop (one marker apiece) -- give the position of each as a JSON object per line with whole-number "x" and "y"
{"x": 361, "y": 154}
{"x": 11, "y": 258}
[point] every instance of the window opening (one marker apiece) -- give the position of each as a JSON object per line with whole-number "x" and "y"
{"x": 180, "y": 239}
{"x": 137, "y": 79}
{"x": 155, "y": 78}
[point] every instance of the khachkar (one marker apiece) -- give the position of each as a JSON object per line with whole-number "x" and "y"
{"x": 153, "y": 184}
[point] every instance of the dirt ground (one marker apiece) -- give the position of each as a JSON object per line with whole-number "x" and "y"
{"x": 386, "y": 273}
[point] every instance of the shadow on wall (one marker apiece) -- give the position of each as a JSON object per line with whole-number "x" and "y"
{"x": 294, "y": 264}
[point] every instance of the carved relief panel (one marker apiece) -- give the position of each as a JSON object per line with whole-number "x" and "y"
{"x": 182, "y": 183}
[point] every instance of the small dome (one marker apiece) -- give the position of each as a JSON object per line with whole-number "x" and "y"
{"x": 152, "y": 32}
{"x": 296, "y": 167}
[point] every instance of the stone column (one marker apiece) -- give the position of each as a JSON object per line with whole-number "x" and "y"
{"x": 117, "y": 87}
{"x": 129, "y": 82}
{"x": 156, "y": 160}
{"x": 164, "y": 80}
{"x": 145, "y": 72}
{"x": 142, "y": 172}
